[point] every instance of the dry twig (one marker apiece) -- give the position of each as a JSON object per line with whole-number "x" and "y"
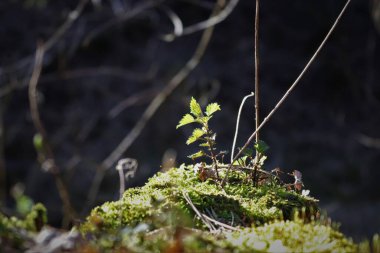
{"x": 47, "y": 156}
{"x": 3, "y": 172}
{"x": 121, "y": 18}
{"x": 56, "y": 36}
{"x": 212, "y": 21}
{"x": 257, "y": 88}
{"x": 198, "y": 213}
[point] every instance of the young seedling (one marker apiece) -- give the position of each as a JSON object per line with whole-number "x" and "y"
{"x": 203, "y": 134}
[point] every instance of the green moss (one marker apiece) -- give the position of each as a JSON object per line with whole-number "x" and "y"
{"x": 269, "y": 218}
{"x": 239, "y": 201}
{"x": 280, "y": 236}
{"x": 291, "y": 236}
{"x": 15, "y": 232}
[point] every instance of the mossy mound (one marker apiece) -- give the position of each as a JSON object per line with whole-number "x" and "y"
{"x": 291, "y": 236}
{"x": 280, "y": 236}
{"x": 238, "y": 204}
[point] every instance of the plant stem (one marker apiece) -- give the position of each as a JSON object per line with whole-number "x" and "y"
{"x": 213, "y": 157}
{"x": 257, "y": 89}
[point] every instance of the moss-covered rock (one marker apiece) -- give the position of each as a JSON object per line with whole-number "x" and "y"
{"x": 279, "y": 236}
{"x": 239, "y": 203}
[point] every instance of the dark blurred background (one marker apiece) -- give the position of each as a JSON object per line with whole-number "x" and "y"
{"x": 93, "y": 90}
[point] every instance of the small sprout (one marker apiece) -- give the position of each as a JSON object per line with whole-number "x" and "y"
{"x": 203, "y": 134}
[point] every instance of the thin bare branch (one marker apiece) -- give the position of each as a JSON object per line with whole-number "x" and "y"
{"x": 142, "y": 7}
{"x": 71, "y": 18}
{"x": 257, "y": 88}
{"x": 48, "y": 159}
{"x": 221, "y": 224}
{"x": 198, "y": 213}
{"x": 3, "y": 171}
{"x": 287, "y": 93}
{"x": 115, "y": 72}
{"x": 56, "y": 36}
{"x": 145, "y": 95}
{"x": 212, "y": 21}
{"x": 177, "y": 24}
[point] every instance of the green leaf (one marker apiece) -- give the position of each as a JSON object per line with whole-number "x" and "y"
{"x": 242, "y": 161}
{"x": 211, "y": 108}
{"x": 195, "y": 108}
{"x": 187, "y": 119}
{"x": 248, "y": 152}
{"x": 203, "y": 120}
{"x": 197, "y": 155}
{"x": 38, "y": 142}
{"x": 261, "y": 147}
{"x": 197, "y": 133}
{"x": 205, "y": 144}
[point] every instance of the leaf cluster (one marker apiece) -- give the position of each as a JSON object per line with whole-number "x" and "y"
{"x": 203, "y": 133}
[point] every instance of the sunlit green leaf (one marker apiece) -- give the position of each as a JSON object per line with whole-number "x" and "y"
{"x": 187, "y": 119}
{"x": 211, "y": 108}
{"x": 205, "y": 144}
{"x": 261, "y": 147}
{"x": 203, "y": 120}
{"x": 195, "y": 108}
{"x": 197, "y": 155}
{"x": 197, "y": 133}
{"x": 242, "y": 161}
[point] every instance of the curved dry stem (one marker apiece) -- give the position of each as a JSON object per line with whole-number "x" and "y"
{"x": 177, "y": 25}
{"x": 237, "y": 124}
{"x": 212, "y": 21}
